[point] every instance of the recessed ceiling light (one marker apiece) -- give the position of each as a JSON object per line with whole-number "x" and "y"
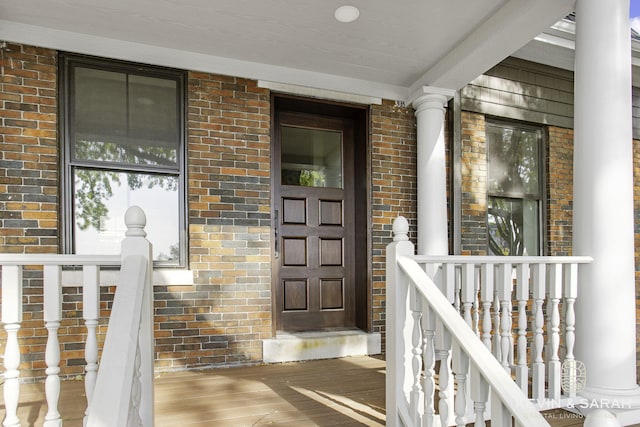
{"x": 347, "y": 13}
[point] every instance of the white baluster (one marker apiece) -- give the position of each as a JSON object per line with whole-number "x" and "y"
{"x": 486, "y": 294}
{"x": 570, "y": 295}
{"x": 522, "y": 295}
{"x": 11, "y": 317}
{"x": 52, "y": 316}
{"x": 428, "y": 359}
{"x": 443, "y": 345}
{"x": 416, "y": 396}
{"x": 476, "y": 300}
{"x": 460, "y": 365}
{"x": 553, "y": 328}
{"x": 443, "y": 350}
{"x": 495, "y": 337}
{"x": 505, "y": 287}
{"x": 447, "y": 284}
{"x": 467, "y": 294}
{"x": 479, "y": 395}
{"x": 538, "y": 367}
{"x": 456, "y": 293}
{"x": 91, "y": 314}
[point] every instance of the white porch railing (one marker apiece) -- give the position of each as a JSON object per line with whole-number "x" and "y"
{"x": 124, "y": 381}
{"x": 457, "y": 312}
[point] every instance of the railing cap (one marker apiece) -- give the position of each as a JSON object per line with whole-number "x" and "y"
{"x": 135, "y": 220}
{"x": 400, "y": 229}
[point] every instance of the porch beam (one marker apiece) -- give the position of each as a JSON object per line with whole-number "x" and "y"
{"x": 603, "y": 202}
{"x": 506, "y": 30}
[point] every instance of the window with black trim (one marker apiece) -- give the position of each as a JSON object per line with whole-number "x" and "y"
{"x": 122, "y": 145}
{"x": 515, "y": 189}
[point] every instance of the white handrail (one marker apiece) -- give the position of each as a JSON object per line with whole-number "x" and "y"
{"x": 12, "y": 313}
{"x": 59, "y": 259}
{"x": 123, "y": 394}
{"x": 509, "y": 394}
{"x": 118, "y": 377}
{"x": 133, "y": 299}
{"x": 483, "y": 259}
{"x": 424, "y": 325}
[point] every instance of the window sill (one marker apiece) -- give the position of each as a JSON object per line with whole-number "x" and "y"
{"x": 161, "y": 276}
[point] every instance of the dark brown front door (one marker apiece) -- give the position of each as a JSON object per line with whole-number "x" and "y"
{"x": 314, "y": 217}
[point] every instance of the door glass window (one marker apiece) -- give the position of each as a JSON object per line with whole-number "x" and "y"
{"x": 311, "y": 157}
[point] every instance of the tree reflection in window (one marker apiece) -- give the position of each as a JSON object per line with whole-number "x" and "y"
{"x": 101, "y": 200}
{"x": 514, "y": 188}
{"x": 94, "y": 188}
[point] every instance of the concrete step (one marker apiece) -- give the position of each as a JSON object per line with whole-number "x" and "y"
{"x": 293, "y": 347}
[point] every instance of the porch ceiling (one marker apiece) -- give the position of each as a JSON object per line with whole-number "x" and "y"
{"x": 392, "y": 50}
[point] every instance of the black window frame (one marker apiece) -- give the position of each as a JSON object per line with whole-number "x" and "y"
{"x": 67, "y": 62}
{"x": 541, "y": 199}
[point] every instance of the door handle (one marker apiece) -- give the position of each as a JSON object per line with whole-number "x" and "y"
{"x": 276, "y": 233}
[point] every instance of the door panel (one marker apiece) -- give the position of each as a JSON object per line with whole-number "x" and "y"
{"x": 314, "y": 223}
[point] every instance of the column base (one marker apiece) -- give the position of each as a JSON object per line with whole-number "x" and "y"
{"x": 624, "y": 404}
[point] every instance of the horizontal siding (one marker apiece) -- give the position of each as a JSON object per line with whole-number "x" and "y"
{"x": 635, "y": 111}
{"x": 523, "y": 90}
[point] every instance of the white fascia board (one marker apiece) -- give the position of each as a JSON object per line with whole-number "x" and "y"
{"x": 565, "y": 27}
{"x": 157, "y": 55}
{"x": 556, "y": 41}
{"x": 556, "y": 47}
{"x": 542, "y": 50}
{"x": 319, "y": 93}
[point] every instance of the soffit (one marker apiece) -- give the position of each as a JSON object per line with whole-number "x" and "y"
{"x": 394, "y": 44}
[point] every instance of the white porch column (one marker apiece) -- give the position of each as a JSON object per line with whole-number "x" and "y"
{"x": 603, "y": 201}
{"x": 430, "y": 104}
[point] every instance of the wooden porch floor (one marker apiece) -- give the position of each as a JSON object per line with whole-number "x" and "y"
{"x": 337, "y": 392}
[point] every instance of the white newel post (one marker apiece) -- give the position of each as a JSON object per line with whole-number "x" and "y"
{"x": 398, "y": 330}
{"x": 429, "y": 103}
{"x": 603, "y": 202}
{"x": 135, "y": 243}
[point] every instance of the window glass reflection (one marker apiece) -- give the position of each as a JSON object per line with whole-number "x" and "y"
{"x": 513, "y": 227}
{"x": 125, "y": 118}
{"x": 513, "y": 157}
{"x": 101, "y": 200}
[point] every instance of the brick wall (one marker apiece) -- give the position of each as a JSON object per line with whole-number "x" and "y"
{"x": 393, "y": 188}
{"x": 28, "y": 151}
{"x": 473, "y": 160}
{"x": 559, "y": 203}
{"x": 223, "y": 316}
{"x": 559, "y": 187}
{"x": 29, "y": 178}
{"x": 559, "y": 175}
